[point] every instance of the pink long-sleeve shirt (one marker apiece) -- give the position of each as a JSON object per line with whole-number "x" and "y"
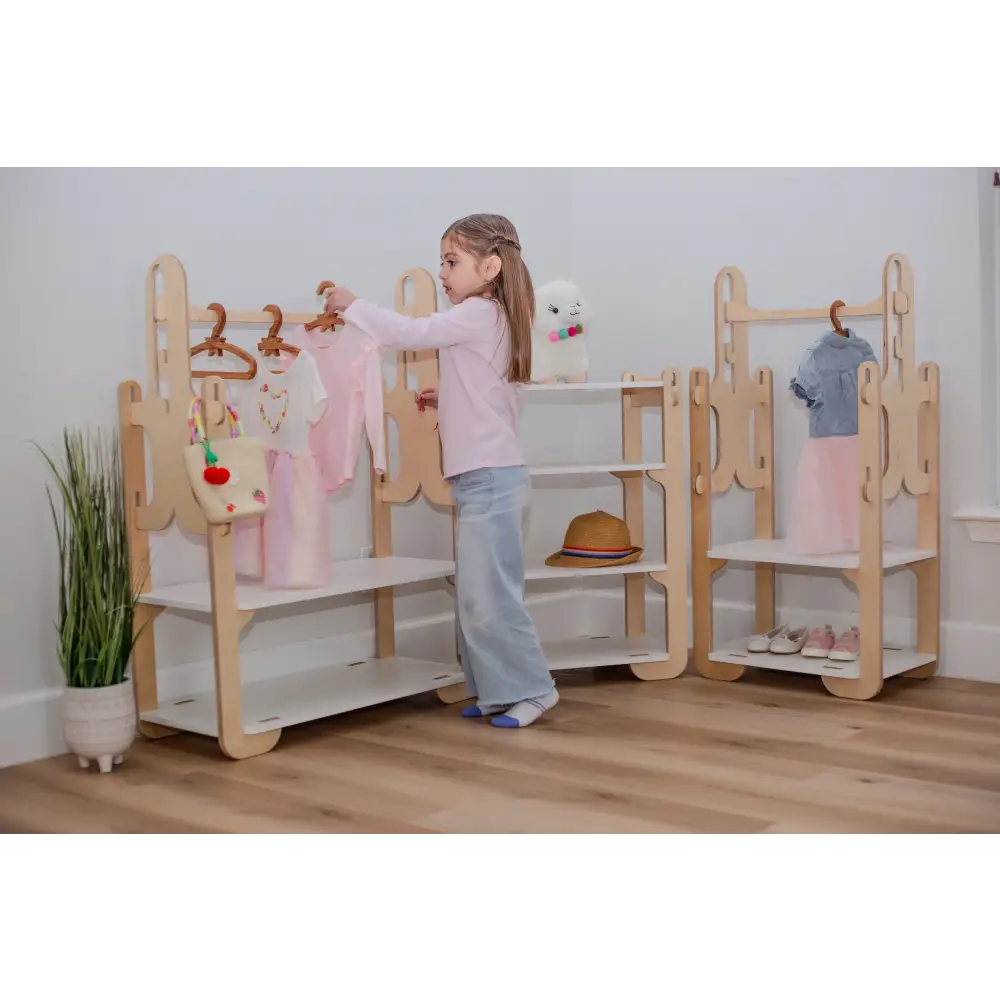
{"x": 477, "y": 406}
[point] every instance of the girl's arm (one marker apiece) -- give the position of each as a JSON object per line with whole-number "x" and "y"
{"x": 462, "y": 323}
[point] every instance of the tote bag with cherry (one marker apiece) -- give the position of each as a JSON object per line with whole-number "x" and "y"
{"x": 228, "y": 475}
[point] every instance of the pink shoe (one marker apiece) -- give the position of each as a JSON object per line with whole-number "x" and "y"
{"x": 848, "y": 645}
{"x": 821, "y": 641}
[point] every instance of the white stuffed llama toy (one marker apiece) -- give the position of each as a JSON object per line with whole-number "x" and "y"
{"x": 562, "y": 320}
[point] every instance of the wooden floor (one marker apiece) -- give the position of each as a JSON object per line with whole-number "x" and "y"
{"x": 769, "y": 754}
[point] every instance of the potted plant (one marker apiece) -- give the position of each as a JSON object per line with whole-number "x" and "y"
{"x": 97, "y": 597}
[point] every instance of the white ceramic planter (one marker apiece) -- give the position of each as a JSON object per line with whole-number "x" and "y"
{"x": 99, "y": 723}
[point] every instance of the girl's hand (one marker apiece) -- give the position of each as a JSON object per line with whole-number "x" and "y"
{"x": 337, "y": 300}
{"x": 429, "y": 397}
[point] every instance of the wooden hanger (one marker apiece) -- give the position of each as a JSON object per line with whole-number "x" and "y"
{"x": 272, "y": 345}
{"x": 216, "y": 346}
{"x": 833, "y": 317}
{"x": 324, "y": 322}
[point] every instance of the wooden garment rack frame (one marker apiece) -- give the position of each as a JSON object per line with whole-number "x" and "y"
{"x": 155, "y": 429}
{"x": 898, "y": 418}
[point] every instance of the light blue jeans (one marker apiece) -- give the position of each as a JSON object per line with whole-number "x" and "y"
{"x": 501, "y": 655}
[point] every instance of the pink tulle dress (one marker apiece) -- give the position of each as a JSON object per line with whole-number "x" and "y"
{"x": 290, "y": 545}
{"x": 826, "y": 502}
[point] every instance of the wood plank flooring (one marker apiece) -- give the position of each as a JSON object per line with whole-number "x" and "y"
{"x": 768, "y": 754}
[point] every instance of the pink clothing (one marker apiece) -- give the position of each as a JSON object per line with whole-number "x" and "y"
{"x": 290, "y": 545}
{"x": 477, "y": 406}
{"x": 291, "y": 548}
{"x": 348, "y": 363}
{"x": 826, "y": 505}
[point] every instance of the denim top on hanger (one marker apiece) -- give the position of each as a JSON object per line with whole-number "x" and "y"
{"x": 827, "y": 380}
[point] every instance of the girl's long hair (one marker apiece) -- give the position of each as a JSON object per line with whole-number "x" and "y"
{"x": 483, "y": 236}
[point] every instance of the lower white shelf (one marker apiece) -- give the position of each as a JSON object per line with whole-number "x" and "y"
{"x": 604, "y": 651}
{"x": 321, "y": 692}
{"x": 312, "y": 694}
{"x": 894, "y": 661}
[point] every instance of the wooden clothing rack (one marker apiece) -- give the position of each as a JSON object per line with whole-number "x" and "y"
{"x": 902, "y": 454}
{"x": 249, "y": 722}
{"x": 247, "y": 718}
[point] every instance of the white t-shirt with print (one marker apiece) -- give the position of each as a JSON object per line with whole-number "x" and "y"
{"x": 281, "y": 406}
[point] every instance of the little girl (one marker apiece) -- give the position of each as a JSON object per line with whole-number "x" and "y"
{"x": 484, "y": 346}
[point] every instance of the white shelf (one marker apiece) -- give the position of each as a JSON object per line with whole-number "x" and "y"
{"x": 312, "y": 694}
{"x": 573, "y": 469}
{"x": 764, "y": 550}
{"x": 349, "y": 576}
{"x": 544, "y": 572}
{"x": 604, "y": 651}
{"x": 588, "y": 386}
{"x": 322, "y": 692}
{"x": 894, "y": 661}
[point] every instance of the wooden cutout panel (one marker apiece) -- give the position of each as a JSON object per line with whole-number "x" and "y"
{"x": 902, "y": 390}
{"x": 164, "y": 417}
{"x": 734, "y": 391}
{"x": 419, "y": 442}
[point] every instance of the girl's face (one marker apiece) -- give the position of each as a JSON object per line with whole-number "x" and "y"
{"x": 461, "y": 273}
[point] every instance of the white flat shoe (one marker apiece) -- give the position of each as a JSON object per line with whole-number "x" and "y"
{"x": 791, "y": 642}
{"x": 762, "y": 643}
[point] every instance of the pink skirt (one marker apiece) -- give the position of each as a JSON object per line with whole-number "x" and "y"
{"x": 826, "y": 505}
{"x": 290, "y": 546}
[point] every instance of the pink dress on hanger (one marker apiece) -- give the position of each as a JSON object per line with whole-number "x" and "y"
{"x": 826, "y": 504}
{"x": 349, "y": 367}
{"x": 290, "y": 545}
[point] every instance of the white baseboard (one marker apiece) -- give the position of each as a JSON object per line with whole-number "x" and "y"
{"x": 31, "y": 723}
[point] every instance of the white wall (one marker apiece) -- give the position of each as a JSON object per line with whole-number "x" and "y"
{"x": 989, "y": 249}
{"x": 644, "y": 244}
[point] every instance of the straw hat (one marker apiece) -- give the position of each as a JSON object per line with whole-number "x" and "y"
{"x": 596, "y": 539}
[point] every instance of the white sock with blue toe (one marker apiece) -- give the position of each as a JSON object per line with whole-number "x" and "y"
{"x": 477, "y": 712}
{"x": 524, "y": 713}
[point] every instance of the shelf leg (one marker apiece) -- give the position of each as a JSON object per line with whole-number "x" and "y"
{"x": 870, "y": 574}
{"x": 454, "y": 693}
{"x": 704, "y": 626}
{"x": 763, "y": 506}
{"x": 703, "y": 568}
{"x": 632, "y": 509}
{"x": 227, "y": 623}
{"x": 928, "y": 615}
{"x": 928, "y": 572}
{"x": 144, "y": 672}
{"x": 676, "y": 626}
{"x": 133, "y": 445}
{"x": 384, "y": 597}
{"x": 675, "y": 533}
